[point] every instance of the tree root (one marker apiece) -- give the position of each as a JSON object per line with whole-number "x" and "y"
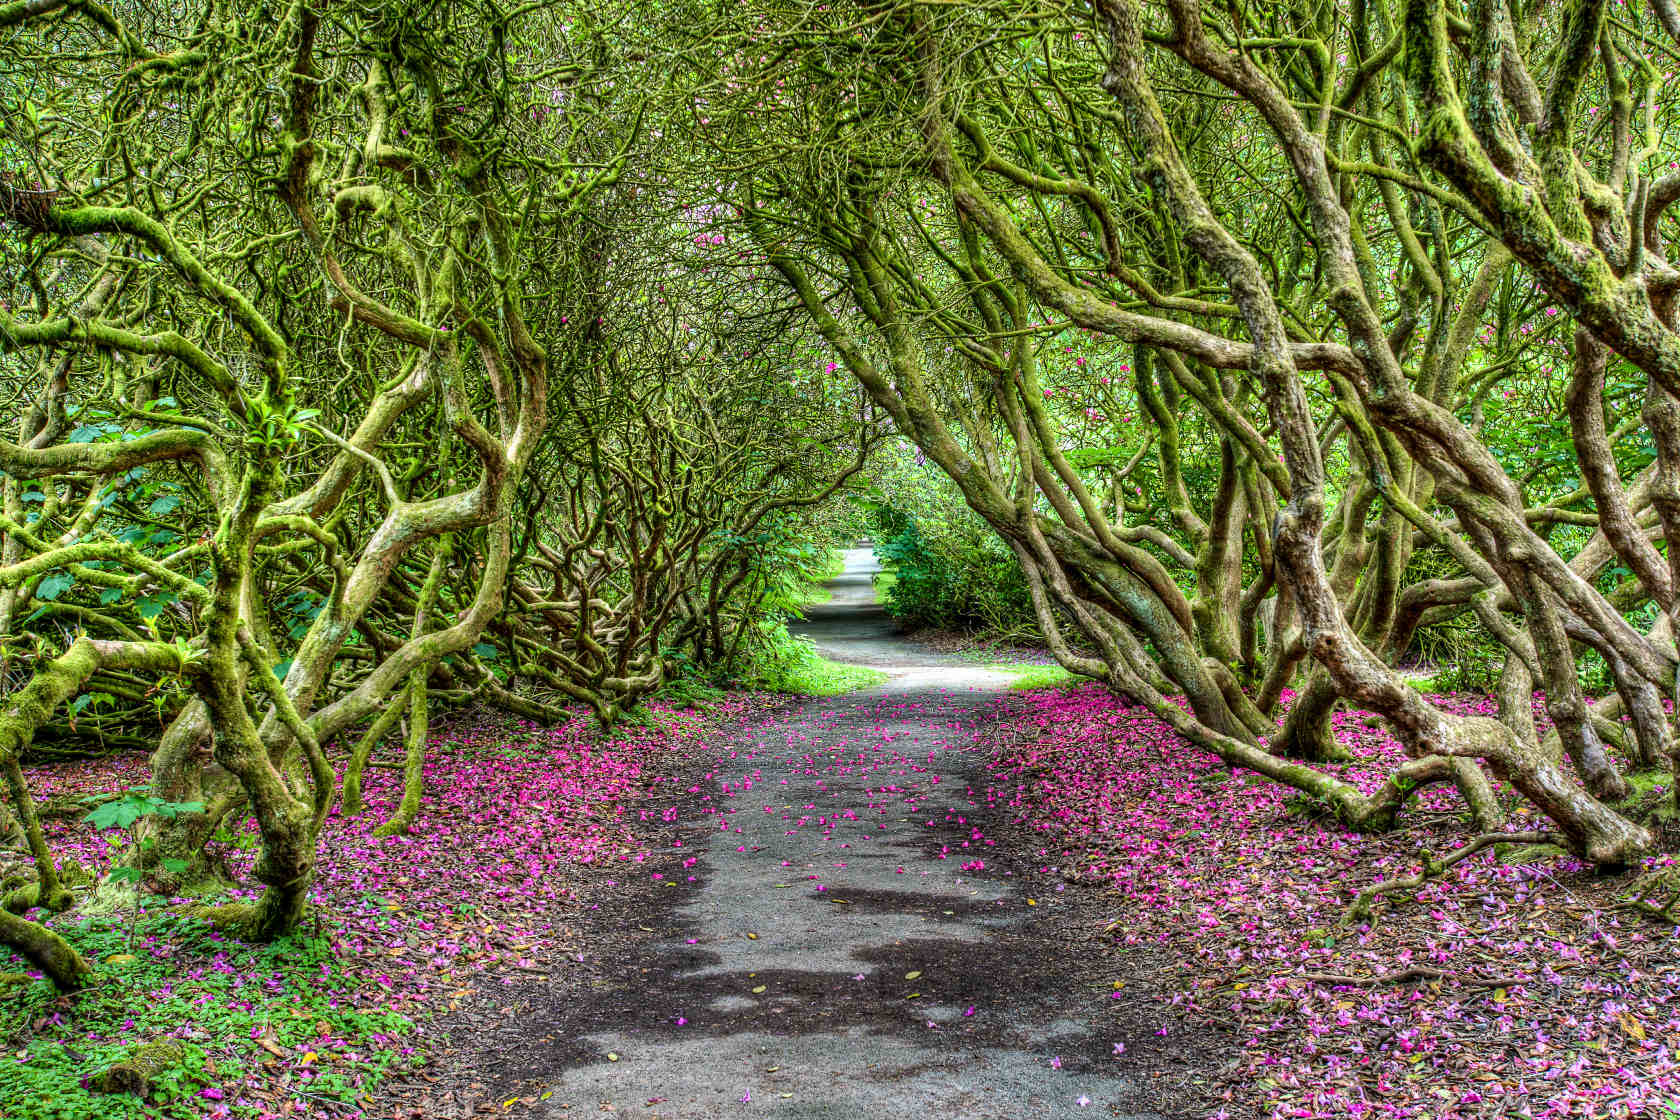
{"x": 1657, "y": 895}
{"x": 228, "y": 916}
{"x": 1433, "y": 868}
{"x": 44, "y": 949}
{"x": 1335, "y": 979}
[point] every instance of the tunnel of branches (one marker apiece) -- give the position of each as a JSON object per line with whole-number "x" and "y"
{"x": 366, "y": 361}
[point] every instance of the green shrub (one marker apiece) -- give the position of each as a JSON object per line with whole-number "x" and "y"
{"x": 793, "y": 665}
{"x": 1473, "y": 668}
{"x": 951, "y": 573}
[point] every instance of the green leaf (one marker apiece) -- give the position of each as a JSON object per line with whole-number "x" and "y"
{"x": 153, "y": 605}
{"x": 485, "y": 651}
{"x": 54, "y": 585}
{"x": 172, "y": 809}
{"x": 173, "y": 866}
{"x": 163, "y": 505}
{"x": 91, "y": 433}
{"x": 109, "y": 596}
{"x": 121, "y": 813}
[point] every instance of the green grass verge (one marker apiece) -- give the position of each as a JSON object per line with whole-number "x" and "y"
{"x": 816, "y": 675}
{"x": 1029, "y": 677}
{"x": 833, "y": 567}
{"x": 814, "y": 593}
{"x": 795, "y": 667}
{"x": 815, "y": 596}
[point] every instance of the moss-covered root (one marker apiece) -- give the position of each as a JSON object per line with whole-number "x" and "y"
{"x": 1657, "y": 895}
{"x": 276, "y": 912}
{"x": 354, "y": 806}
{"x": 1360, "y": 911}
{"x": 414, "y": 756}
{"x": 235, "y": 918}
{"x": 414, "y": 760}
{"x": 44, "y": 949}
{"x": 1478, "y": 793}
{"x": 21, "y": 900}
{"x": 136, "y": 1072}
{"x": 52, "y": 893}
{"x": 11, "y": 832}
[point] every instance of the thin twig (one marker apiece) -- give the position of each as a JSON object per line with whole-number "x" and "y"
{"x": 1433, "y": 868}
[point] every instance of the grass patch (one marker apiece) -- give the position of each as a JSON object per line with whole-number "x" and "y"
{"x": 815, "y": 596}
{"x": 884, "y": 580}
{"x": 813, "y": 593}
{"x": 218, "y": 1007}
{"x": 833, "y": 567}
{"x": 831, "y": 678}
{"x": 1028, "y": 677}
{"x": 795, "y": 667}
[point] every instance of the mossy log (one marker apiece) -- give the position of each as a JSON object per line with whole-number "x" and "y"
{"x": 143, "y": 1065}
{"x": 44, "y": 949}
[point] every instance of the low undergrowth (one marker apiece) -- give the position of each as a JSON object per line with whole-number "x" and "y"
{"x": 794, "y": 667}
{"x": 255, "y": 1026}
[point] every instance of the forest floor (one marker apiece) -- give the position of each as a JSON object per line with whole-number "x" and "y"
{"x": 942, "y": 895}
{"x": 839, "y": 924}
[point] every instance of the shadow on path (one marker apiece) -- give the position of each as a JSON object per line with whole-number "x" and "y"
{"x": 836, "y": 934}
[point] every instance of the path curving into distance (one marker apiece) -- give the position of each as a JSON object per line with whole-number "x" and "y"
{"x": 841, "y": 952}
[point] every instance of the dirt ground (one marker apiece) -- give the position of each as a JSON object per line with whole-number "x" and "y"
{"x": 816, "y": 936}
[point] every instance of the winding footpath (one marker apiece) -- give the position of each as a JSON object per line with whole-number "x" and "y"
{"x": 852, "y": 942}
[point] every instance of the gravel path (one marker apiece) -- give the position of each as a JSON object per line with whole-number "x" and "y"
{"x": 839, "y": 952}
